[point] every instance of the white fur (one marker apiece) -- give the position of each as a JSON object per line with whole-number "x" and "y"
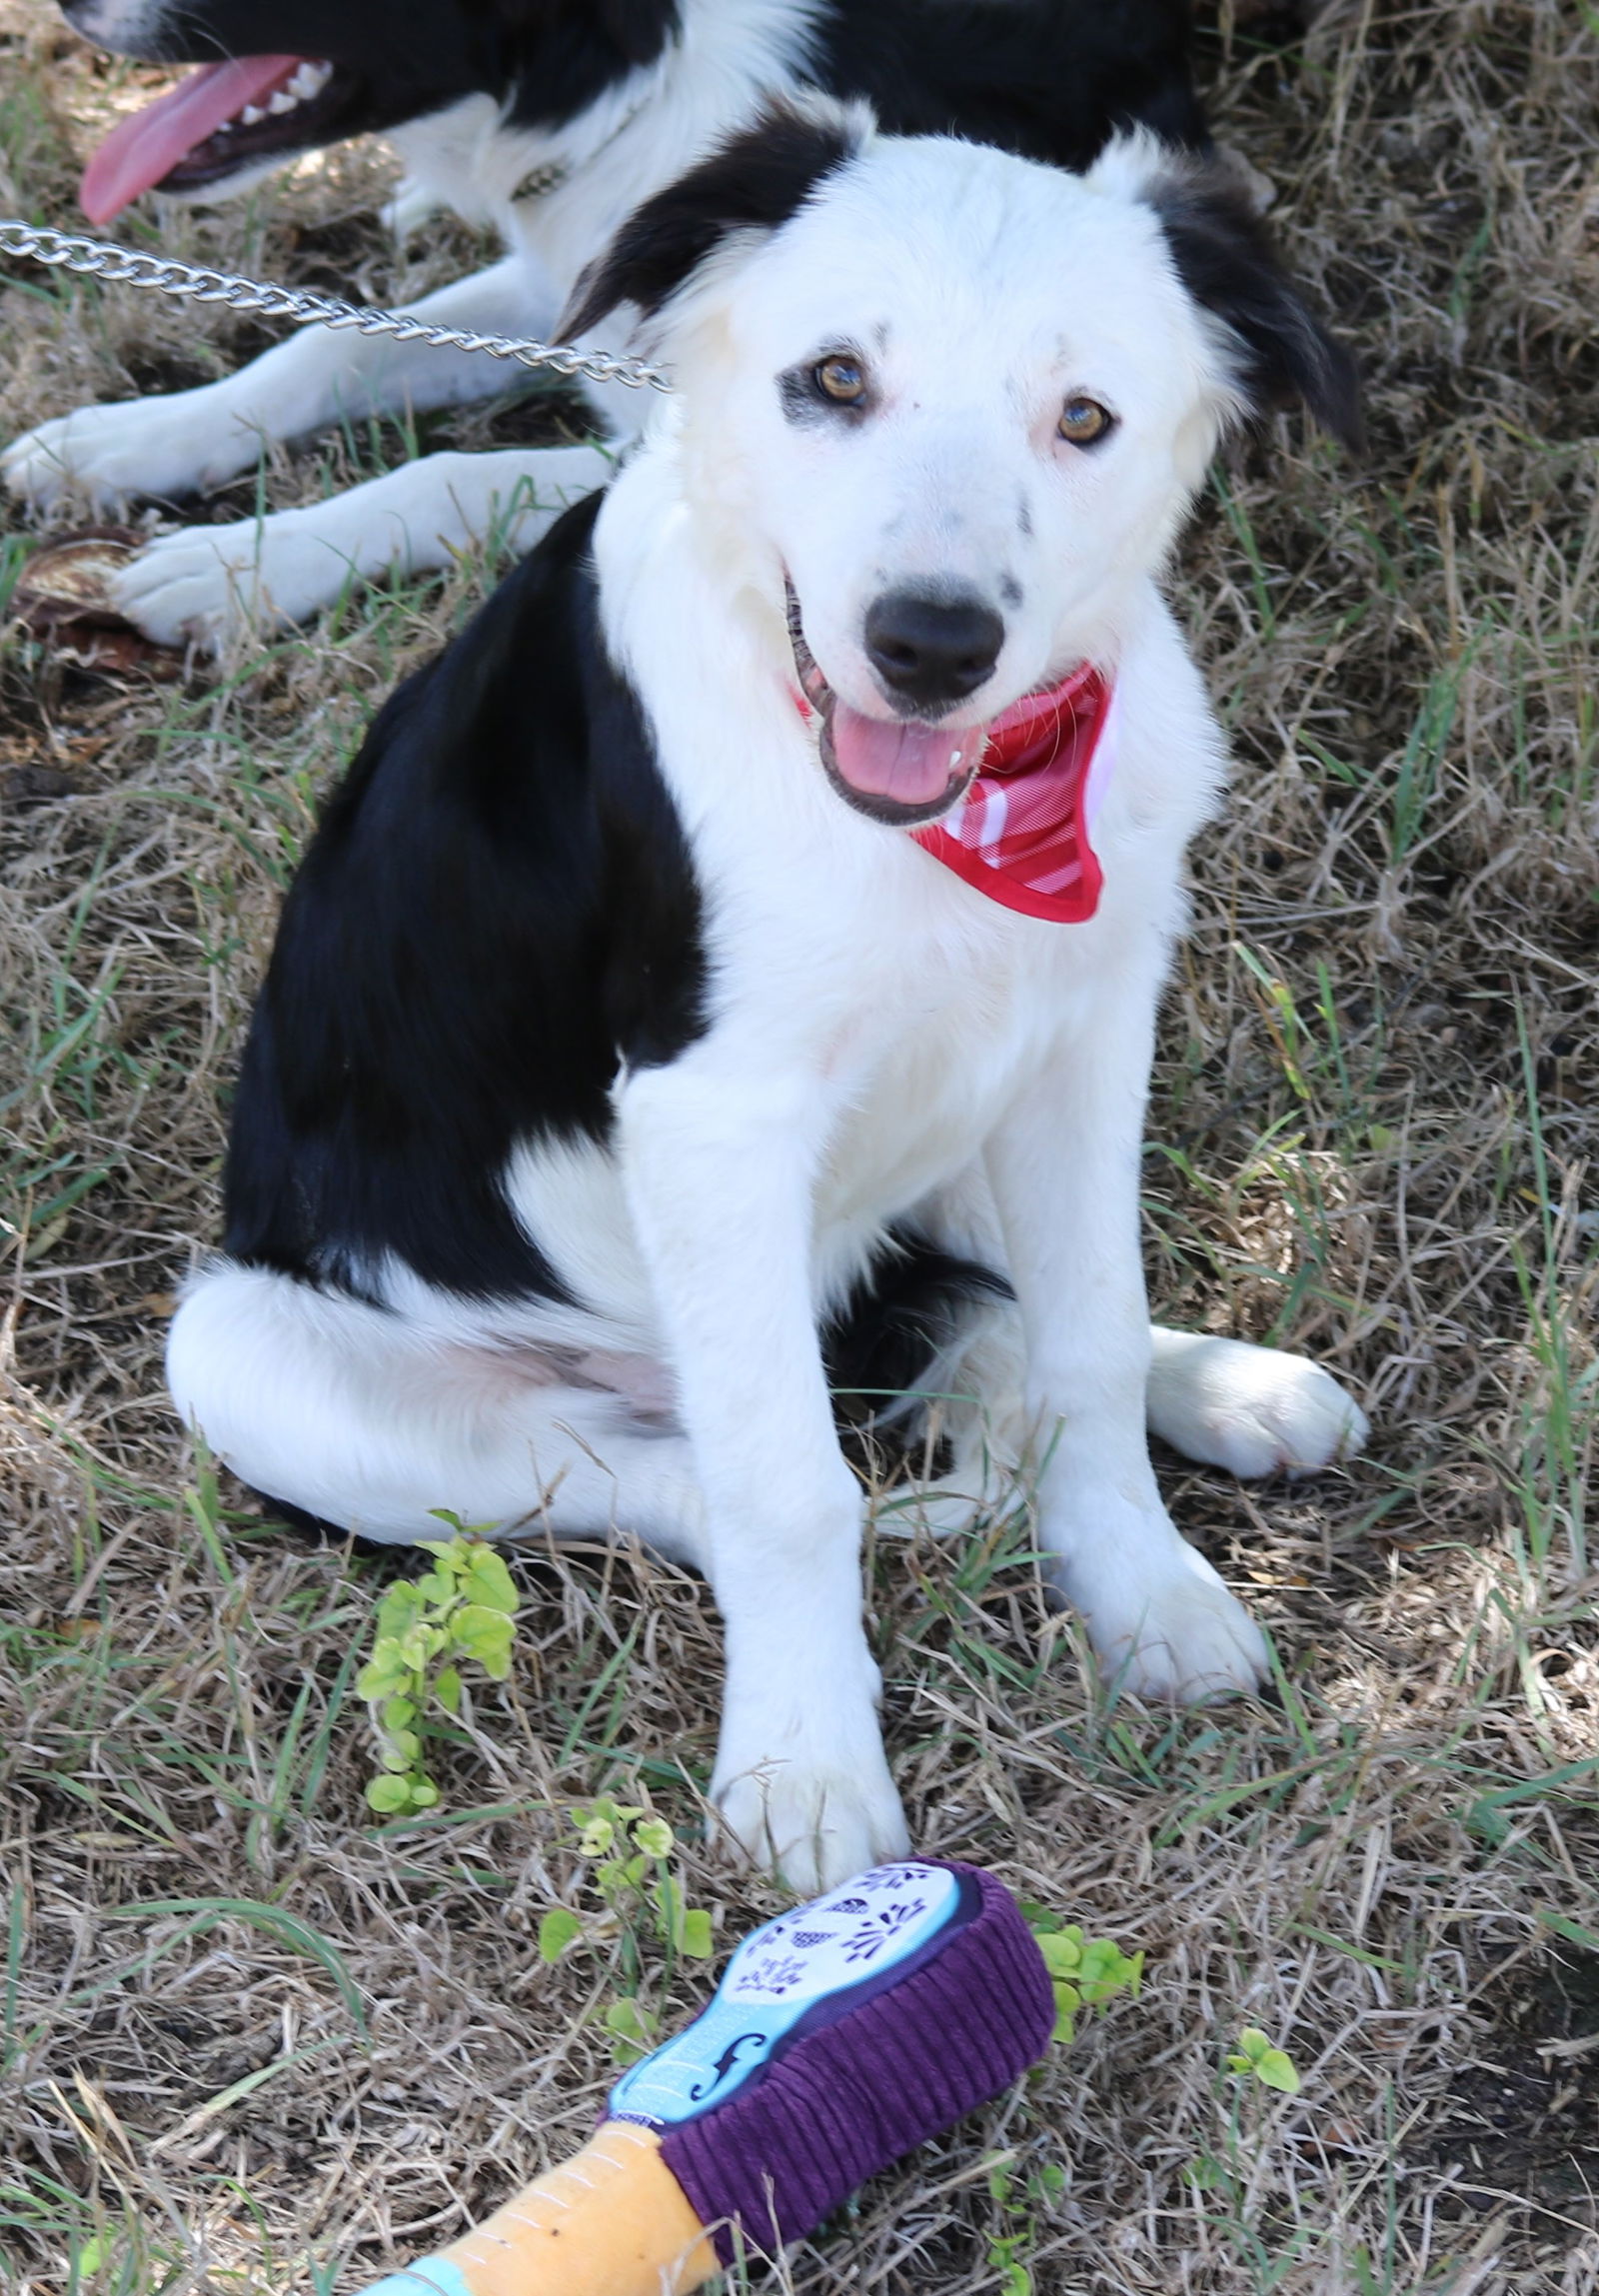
{"x": 884, "y": 1042}
{"x": 207, "y": 583}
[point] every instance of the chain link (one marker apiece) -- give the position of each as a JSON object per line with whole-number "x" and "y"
{"x": 100, "y": 259}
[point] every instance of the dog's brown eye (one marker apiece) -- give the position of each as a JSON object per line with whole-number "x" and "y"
{"x": 842, "y": 380}
{"x": 1084, "y": 420}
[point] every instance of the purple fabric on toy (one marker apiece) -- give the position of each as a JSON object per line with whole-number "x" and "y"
{"x": 850, "y": 2097}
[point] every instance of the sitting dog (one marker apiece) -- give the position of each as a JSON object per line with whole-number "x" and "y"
{"x": 550, "y": 120}
{"x": 728, "y": 970}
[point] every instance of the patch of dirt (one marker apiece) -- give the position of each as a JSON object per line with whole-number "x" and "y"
{"x": 1520, "y": 2118}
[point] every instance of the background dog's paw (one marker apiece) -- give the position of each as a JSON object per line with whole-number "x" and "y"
{"x": 814, "y": 1823}
{"x": 109, "y": 455}
{"x": 1254, "y": 1410}
{"x": 207, "y": 584}
{"x": 1164, "y": 1627}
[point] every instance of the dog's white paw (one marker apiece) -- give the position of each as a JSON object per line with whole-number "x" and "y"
{"x": 1254, "y": 1410}
{"x": 1162, "y": 1624}
{"x": 113, "y": 455}
{"x": 816, "y": 1813}
{"x": 207, "y": 584}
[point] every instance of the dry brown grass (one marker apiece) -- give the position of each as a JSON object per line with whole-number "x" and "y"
{"x": 1375, "y": 1108}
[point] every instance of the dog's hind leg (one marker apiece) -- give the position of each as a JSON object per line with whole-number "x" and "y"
{"x": 1225, "y": 1403}
{"x": 353, "y": 1415}
{"x": 1254, "y": 1410}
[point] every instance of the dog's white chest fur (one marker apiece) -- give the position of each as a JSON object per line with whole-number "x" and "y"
{"x": 892, "y": 1013}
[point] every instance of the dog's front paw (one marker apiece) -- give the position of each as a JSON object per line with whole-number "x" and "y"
{"x": 109, "y": 456}
{"x": 1253, "y": 1410}
{"x": 1162, "y": 1624}
{"x": 813, "y": 1812}
{"x": 205, "y": 583}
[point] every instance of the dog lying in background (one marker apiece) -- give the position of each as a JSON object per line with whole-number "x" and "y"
{"x": 728, "y": 970}
{"x": 549, "y": 120}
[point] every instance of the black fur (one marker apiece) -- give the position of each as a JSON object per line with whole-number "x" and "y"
{"x": 1048, "y": 79}
{"x": 755, "y": 181}
{"x": 887, "y": 1336}
{"x": 498, "y": 909}
{"x": 1229, "y": 263}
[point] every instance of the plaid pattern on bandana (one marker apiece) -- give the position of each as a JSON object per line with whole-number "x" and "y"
{"x": 1020, "y": 833}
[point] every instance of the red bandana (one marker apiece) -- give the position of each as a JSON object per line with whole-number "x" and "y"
{"x": 1020, "y": 833}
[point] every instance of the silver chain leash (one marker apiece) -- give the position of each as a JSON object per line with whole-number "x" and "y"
{"x": 124, "y": 266}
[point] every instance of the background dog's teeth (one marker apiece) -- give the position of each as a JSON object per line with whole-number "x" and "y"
{"x": 251, "y": 114}
{"x": 282, "y": 102}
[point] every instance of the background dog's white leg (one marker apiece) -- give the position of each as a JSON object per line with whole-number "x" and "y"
{"x": 1065, "y": 1168}
{"x": 208, "y": 581}
{"x": 719, "y": 1170}
{"x": 196, "y": 439}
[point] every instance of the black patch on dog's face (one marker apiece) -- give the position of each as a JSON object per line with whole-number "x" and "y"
{"x": 1227, "y": 261}
{"x": 756, "y": 180}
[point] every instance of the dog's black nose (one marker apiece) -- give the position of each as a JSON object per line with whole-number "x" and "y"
{"x": 931, "y": 650}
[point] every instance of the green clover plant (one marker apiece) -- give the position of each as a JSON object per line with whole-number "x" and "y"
{"x": 461, "y": 1611}
{"x": 642, "y": 1905}
{"x": 1017, "y": 2199}
{"x": 1262, "y": 2061}
{"x": 1083, "y": 1972}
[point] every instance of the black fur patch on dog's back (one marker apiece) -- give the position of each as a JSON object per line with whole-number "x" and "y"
{"x": 1046, "y": 79}
{"x": 497, "y": 911}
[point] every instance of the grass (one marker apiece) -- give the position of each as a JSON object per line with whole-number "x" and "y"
{"x": 254, "y": 2039}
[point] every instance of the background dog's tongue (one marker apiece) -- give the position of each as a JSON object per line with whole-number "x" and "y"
{"x": 150, "y": 145}
{"x": 913, "y": 765}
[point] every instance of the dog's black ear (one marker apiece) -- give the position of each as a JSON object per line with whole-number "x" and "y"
{"x": 1227, "y": 261}
{"x": 754, "y": 182}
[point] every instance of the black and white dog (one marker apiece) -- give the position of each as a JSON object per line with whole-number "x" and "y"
{"x": 551, "y": 120}
{"x": 729, "y": 969}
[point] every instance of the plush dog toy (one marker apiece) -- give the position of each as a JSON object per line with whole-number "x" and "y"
{"x": 842, "y": 2035}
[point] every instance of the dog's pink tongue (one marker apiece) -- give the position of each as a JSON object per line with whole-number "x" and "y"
{"x": 911, "y": 764}
{"x": 150, "y": 145}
